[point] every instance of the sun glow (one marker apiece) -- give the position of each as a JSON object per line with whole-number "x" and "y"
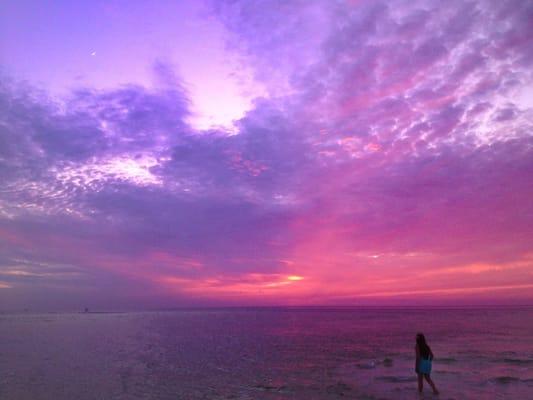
{"x": 294, "y": 278}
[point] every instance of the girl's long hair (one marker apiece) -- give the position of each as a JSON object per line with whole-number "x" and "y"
{"x": 423, "y": 347}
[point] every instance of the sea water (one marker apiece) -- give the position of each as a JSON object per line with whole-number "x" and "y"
{"x": 278, "y": 353}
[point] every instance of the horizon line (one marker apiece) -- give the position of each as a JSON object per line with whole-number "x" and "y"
{"x": 266, "y": 308}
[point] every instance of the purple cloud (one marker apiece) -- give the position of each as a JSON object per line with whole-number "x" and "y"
{"x": 392, "y": 137}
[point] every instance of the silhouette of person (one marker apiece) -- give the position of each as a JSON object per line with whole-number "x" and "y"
{"x": 424, "y": 358}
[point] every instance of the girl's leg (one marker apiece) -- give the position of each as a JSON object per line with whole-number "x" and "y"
{"x": 430, "y": 381}
{"x": 420, "y": 383}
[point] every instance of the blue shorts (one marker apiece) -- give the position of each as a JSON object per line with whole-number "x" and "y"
{"x": 424, "y": 366}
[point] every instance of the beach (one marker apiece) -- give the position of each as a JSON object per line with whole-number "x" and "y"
{"x": 270, "y": 353}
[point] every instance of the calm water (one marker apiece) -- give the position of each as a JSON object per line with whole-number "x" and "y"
{"x": 265, "y": 354}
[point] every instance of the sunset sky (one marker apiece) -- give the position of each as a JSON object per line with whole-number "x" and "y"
{"x": 158, "y": 154}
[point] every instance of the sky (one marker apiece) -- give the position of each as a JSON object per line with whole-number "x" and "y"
{"x": 245, "y": 153}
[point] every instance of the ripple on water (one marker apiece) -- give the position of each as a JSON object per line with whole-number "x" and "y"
{"x": 396, "y": 379}
{"x": 367, "y": 365}
{"x": 446, "y": 360}
{"x": 504, "y": 380}
{"x": 518, "y": 361}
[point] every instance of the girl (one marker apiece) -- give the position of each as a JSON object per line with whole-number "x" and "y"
{"x": 424, "y": 356}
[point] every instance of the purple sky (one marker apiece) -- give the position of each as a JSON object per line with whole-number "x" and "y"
{"x": 163, "y": 154}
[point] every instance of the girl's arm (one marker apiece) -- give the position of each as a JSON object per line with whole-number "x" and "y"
{"x": 417, "y": 358}
{"x": 431, "y": 354}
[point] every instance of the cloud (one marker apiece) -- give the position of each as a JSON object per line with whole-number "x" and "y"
{"x": 392, "y": 129}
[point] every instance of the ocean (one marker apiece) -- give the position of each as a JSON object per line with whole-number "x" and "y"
{"x": 266, "y": 353}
